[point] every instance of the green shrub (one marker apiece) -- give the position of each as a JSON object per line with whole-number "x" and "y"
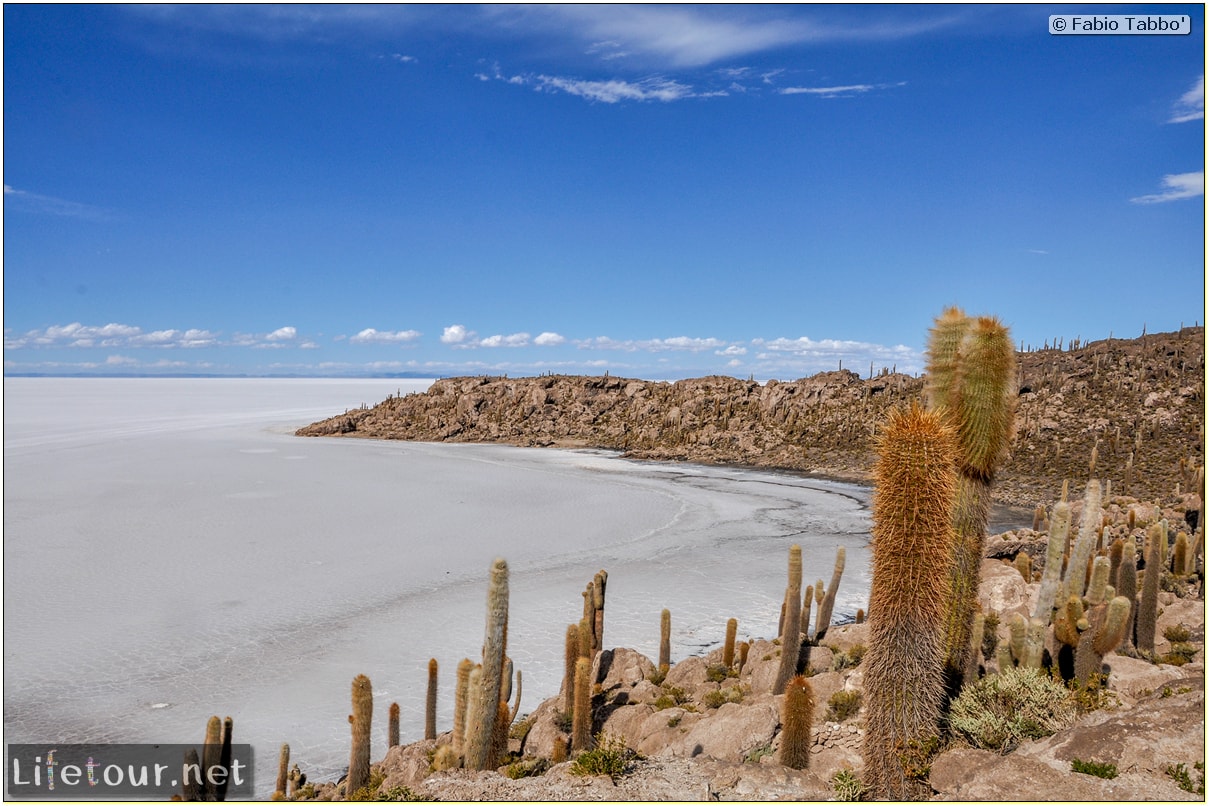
{"x": 843, "y": 704}
{"x": 657, "y": 676}
{"x": 1179, "y": 774}
{"x": 610, "y": 757}
{"x": 1094, "y": 768}
{"x": 848, "y": 659}
{"x": 847, "y": 786}
{"x": 527, "y": 768}
{"x": 521, "y": 729}
{"x": 671, "y": 697}
{"x": 717, "y": 673}
{"x": 399, "y": 794}
{"x": 715, "y": 699}
{"x": 1177, "y": 634}
{"x": 999, "y": 712}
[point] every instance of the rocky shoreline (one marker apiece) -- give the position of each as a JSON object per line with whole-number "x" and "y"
{"x": 1138, "y": 402}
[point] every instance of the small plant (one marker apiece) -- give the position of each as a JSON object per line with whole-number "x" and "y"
{"x": 526, "y": 768}
{"x": 307, "y": 792}
{"x": 1179, "y": 774}
{"x": 370, "y": 790}
{"x": 399, "y": 794}
{"x": 671, "y": 697}
{"x": 563, "y": 721}
{"x": 1179, "y": 654}
{"x": 842, "y": 705}
{"x": 754, "y": 755}
{"x": 847, "y": 786}
{"x": 674, "y": 720}
{"x": 849, "y": 659}
{"x": 999, "y": 712}
{"x": 658, "y": 675}
{"x": 521, "y": 729}
{"x": 1094, "y": 768}
{"x": 1177, "y": 634}
{"x": 718, "y": 672}
{"x": 916, "y": 757}
{"x": 609, "y": 757}
{"x": 1092, "y": 695}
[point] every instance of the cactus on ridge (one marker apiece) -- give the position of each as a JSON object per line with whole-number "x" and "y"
{"x": 360, "y": 719}
{"x": 791, "y": 631}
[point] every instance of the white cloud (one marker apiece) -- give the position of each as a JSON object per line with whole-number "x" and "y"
{"x": 1178, "y": 186}
{"x": 112, "y": 335}
{"x": 120, "y": 360}
{"x": 548, "y": 339}
{"x": 514, "y": 340}
{"x": 456, "y": 334}
{"x": 1191, "y": 105}
{"x": 682, "y": 343}
{"x": 372, "y": 336}
{"x": 282, "y": 334}
{"x": 733, "y": 349}
{"x": 399, "y": 57}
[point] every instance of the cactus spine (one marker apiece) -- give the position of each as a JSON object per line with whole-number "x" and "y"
{"x": 728, "y": 646}
{"x": 480, "y": 742}
{"x": 665, "y": 639}
{"x": 915, "y": 479}
{"x": 797, "y": 715}
{"x": 360, "y": 719}
{"x": 823, "y": 621}
{"x": 791, "y": 632}
{"x": 430, "y": 702}
{"x": 581, "y": 718}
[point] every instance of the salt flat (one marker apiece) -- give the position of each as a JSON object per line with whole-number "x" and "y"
{"x": 172, "y": 551}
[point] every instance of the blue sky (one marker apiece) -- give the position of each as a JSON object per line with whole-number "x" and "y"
{"x": 656, "y": 191}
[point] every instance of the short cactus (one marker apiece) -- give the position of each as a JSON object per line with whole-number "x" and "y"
{"x": 665, "y": 639}
{"x": 360, "y": 719}
{"x": 283, "y": 773}
{"x": 392, "y": 726}
{"x": 797, "y": 717}
{"x": 791, "y": 631}
{"x": 728, "y": 646}
{"x": 824, "y": 618}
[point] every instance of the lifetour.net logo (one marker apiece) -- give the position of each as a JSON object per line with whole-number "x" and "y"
{"x": 134, "y": 771}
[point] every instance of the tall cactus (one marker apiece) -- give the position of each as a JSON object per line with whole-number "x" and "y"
{"x": 480, "y": 744}
{"x": 430, "y": 702}
{"x": 1085, "y": 543}
{"x": 581, "y": 718}
{"x": 791, "y": 631}
{"x": 1106, "y": 629}
{"x": 570, "y": 655}
{"x": 361, "y": 719}
{"x": 823, "y": 621}
{"x": 797, "y": 717}
{"x": 665, "y": 639}
{"x": 915, "y": 481}
{"x": 283, "y": 773}
{"x": 461, "y": 704}
{"x": 1126, "y": 583}
{"x": 1148, "y": 602}
{"x": 971, "y": 366}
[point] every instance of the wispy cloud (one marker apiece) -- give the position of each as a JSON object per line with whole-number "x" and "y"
{"x": 675, "y": 343}
{"x": 1191, "y": 105}
{"x": 694, "y": 36}
{"x": 810, "y": 355}
{"x": 371, "y": 336}
{"x": 512, "y": 340}
{"x": 1178, "y": 186}
{"x": 842, "y": 91}
{"x": 24, "y": 201}
{"x": 614, "y": 90}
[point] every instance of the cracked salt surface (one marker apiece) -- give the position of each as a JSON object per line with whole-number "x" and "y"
{"x": 169, "y": 555}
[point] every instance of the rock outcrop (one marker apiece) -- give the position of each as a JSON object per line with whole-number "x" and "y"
{"x": 1139, "y": 402}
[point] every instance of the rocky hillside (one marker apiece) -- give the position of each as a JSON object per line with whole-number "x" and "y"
{"x": 1140, "y": 403}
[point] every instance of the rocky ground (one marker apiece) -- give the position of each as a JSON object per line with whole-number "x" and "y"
{"x": 1139, "y": 402}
